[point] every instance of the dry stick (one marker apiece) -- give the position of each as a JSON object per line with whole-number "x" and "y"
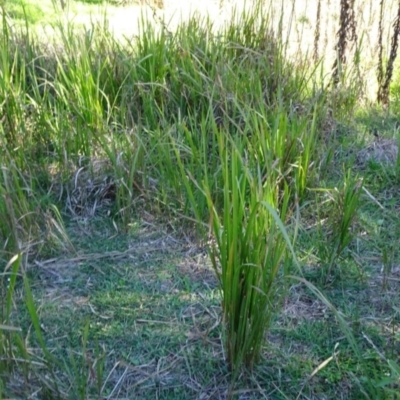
{"x": 383, "y": 91}
{"x": 347, "y": 25}
{"x": 380, "y": 46}
{"x": 341, "y": 44}
{"x": 352, "y": 23}
{"x": 328, "y": 11}
{"x": 317, "y": 32}
{"x": 354, "y": 39}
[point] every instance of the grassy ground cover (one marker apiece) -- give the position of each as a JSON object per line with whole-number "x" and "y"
{"x": 193, "y": 215}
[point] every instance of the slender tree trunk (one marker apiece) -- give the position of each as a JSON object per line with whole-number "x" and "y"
{"x": 384, "y": 82}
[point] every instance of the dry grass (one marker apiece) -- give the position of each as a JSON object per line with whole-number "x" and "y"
{"x": 382, "y": 151}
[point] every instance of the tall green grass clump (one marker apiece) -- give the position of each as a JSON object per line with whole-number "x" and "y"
{"x": 336, "y": 223}
{"x": 23, "y": 198}
{"x": 243, "y": 167}
{"x": 26, "y": 213}
{"x": 247, "y": 253}
{"x": 246, "y": 167}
